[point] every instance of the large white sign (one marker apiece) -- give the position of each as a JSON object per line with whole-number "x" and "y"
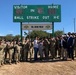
{"x": 36, "y": 26}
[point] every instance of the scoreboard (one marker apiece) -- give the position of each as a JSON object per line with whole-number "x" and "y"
{"x": 37, "y": 13}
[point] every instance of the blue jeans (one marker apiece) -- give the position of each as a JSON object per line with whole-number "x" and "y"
{"x": 35, "y": 53}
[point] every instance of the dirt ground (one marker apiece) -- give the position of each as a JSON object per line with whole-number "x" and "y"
{"x": 40, "y": 68}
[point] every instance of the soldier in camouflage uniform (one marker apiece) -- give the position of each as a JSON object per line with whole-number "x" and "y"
{"x": 41, "y": 49}
{"x": 9, "y": 52}
{"x": 46, "y": 51}
{"x": 19, "y": 51}
{"x": 1, "y": 55}
{"x": 2, "y": 47}
{"x": 26, "y": 49}
{"x": 52, "y": 47}
{"x": 16, "y": 54}
{"x": 31, "y": 50}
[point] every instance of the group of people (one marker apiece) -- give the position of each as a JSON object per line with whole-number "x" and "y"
{"x": 62, "y": 47}
{"x": 9, "y": 51}
{"x": 15, "y": 51}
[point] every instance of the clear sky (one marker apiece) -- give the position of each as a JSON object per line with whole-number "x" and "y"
{"x": 7, "y": 26}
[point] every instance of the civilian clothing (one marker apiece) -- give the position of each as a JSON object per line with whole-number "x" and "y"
{"x": 35, "y": 49}
{"x": 70, "y": 46}
{"x": 36, "y": 43}
{"x": 41, "y": 49}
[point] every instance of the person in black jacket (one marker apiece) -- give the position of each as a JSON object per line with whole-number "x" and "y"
{"x": 65, "y": 47}
{"x": 70, "y": 46}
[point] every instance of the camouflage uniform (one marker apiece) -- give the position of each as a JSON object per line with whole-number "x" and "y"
{"x": 41, "y": 49}
{"x": 45, "y": 44}
{"x": 31, "y": 50}
{"x": 9, "y": 52}
{"x": 26, "y": 49}
{"x": 22, "y": 44}
{"x": 22, "y": 53}
{"x": 52, "y": 47}
{"x": 16, "y": 53}
{"x": 1, "y": 54}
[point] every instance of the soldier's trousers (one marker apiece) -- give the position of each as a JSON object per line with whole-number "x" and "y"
{"x": 26, "y": 54}
{"x": 53, "y": 52}
{"x": 41, "y": 53}
{"x": 22, "y": 55}
{"x": 46, "y": 52}
{"x": 19, "y": 55}
{"x": 1, "y": 58}
{"x": 16, "y": 57}
{"x": 10, "y": 53}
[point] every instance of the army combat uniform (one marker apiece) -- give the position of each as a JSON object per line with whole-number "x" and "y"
{"x": 26, "y": 49}
{"x": 1, "y": 55}
{"x": 16, "y": 53}
{"x": 52, "y": 47}
{"x": 9, "y": 52}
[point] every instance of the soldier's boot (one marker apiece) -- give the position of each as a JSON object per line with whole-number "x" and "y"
{"x": 10, "y": 62}
{"x": 2, "y": 63}
{"x": 18, "y": 58}
{"x": 16, "y": 62}
{"x": 26, "y": 57}
{"x": 30, "y": 57}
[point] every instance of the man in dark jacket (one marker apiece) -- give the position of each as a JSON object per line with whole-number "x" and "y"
{"x": 65, "y": 47}
{"x": 70, "y": 46}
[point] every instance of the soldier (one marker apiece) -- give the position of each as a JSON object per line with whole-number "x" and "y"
{"x": 6, "y": 52}
{"x": 26, "y": 49}
{"x": 9, "y": 52}
{"x": 1, "y": 55}
{"x": 52, "y": 47}
{"x": 41, "y": 49}
{"x": 16, "y": 53}
{"x": 57, "y": 49}
{"x": 31, "y": 50}
{"x": 19, "y": 51}
{"x": 22, "y": 50}
{"x": 45, "y": 44}
{"x": 2, "y": 47}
